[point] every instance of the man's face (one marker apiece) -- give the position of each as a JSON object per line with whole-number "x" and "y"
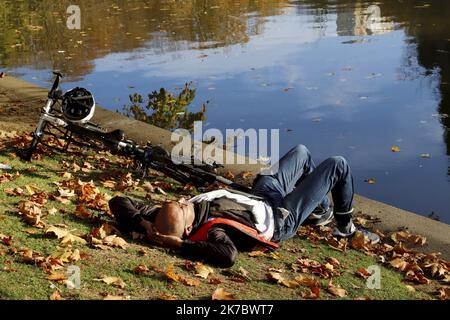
{"x": 188, "y": 215}
{"x": 176, "y": 218}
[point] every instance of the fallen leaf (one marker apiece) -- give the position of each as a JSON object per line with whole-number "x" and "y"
{"x": 313, "y": 294}
{"x": 444, "y": 293}
{"x": 115, "y": 241}
{"x": 66, "y": 193}
{"x": 408, "y": 237}
{"x": 214, "y": 280}
{"x": 56, "y": 296}
{"x": 188, "y": 282}
{"x": 335, "y": 262}
{"x": 6, "y": 240}
{"x": 336, "y": 291}
{"x": 57, "y": 277}
{"x": 278, "y": 278}
{"x": 14, "y": 192}
{"x": 307, "y": 281}
{"x": 256, "y": 254}
{"x": 141, "y": 269}
{"x": 66, "y": 175}
{"x": 360, "y": 242}
{"x": 170, "y": 274}
{"x": 399, "y": 263}
{"x": 115, "y": 281}
{"x": 363, "y": 273}
{"x": 203, "y": 271}
{"x": 31, "y": 213}
{"x": 109, "y": 184}
{"x": 56, "y": 232}
{"x": 221, "y": 294}
{"x": 229, "y": 175}
{"x": 246, "y": 174}
{"x": 70, "y": 239}
{"x": 82, "y": 212}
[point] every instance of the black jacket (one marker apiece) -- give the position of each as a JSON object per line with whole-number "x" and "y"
{"x": 223, "y": 242}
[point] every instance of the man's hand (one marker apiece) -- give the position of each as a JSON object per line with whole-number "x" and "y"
{"x": 159, "y": 239}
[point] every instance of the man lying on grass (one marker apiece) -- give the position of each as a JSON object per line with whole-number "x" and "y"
{"x": 215, "y": 226}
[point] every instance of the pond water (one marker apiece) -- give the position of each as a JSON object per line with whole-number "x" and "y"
{"x": 351, "y": 78}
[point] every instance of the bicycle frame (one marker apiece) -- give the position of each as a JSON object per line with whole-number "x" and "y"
{"x": 146, "y": 157}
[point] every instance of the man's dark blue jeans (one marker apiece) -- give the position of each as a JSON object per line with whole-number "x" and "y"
{"x": 300, "y": 187}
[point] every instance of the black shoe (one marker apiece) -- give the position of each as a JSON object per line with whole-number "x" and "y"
{"x": 320, "y": 217}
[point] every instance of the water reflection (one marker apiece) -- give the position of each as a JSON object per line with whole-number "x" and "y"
{"x": 351, "y": 66}
{"x": 363, "y": 21}
{"x": 35, "y": 33}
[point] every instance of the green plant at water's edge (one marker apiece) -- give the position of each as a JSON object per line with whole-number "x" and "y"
{"x": 166, "y": 109}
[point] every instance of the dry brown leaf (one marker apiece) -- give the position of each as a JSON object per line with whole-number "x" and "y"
{"x": 115, "y": 241}
{"x": 66, "y": 175}
{"x": 214, "y": 280}
{"x": 335, "y": 262}
{"x": 363, "y": 273}
{"x": 405, "y": 236}
{"x": 70, "y": 239}
{"x": 246, "y": 174}
{"x": 256, "y": 254}
{"x": 221, "y": 294}
{"x": 313, "y": 294}
{"x": 6, "y": 240}
{"x": 444, "y": 293}
{"x": 82, "y": 212}
{"x": 188, "y": 281}
{"x": 56, "y": 232}
{"x": 115, "y": 281}
{"x": 141, "y": 269}
{"x": 31, "y": 213}
{"x": 416, "y": 276}
{"x": 399, "y": 263}
{"x": 360, "y": 242}
{"x": 170, "y": 274}
{"x": 148, "y": 187}
{"x": 336, "y": 291}
{"x": 57, "y": 277}
{"x": 278, "y": 278}
{"x": 436, "y": 269}
{"x": 229, "y": 175}
{"x": 14, "y": 192}
{"x": 203, "y": 271}
{"x": 56, "y": 296}
{"x": 109, "y": 184}
{"x": 66, "y": 193}
{"x": 8, "y": 177}
{"x": 103, "y": 231}
{"x": 307, "y": 281}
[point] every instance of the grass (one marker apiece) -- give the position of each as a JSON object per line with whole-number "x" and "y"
{"x": 28, "y": 281}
